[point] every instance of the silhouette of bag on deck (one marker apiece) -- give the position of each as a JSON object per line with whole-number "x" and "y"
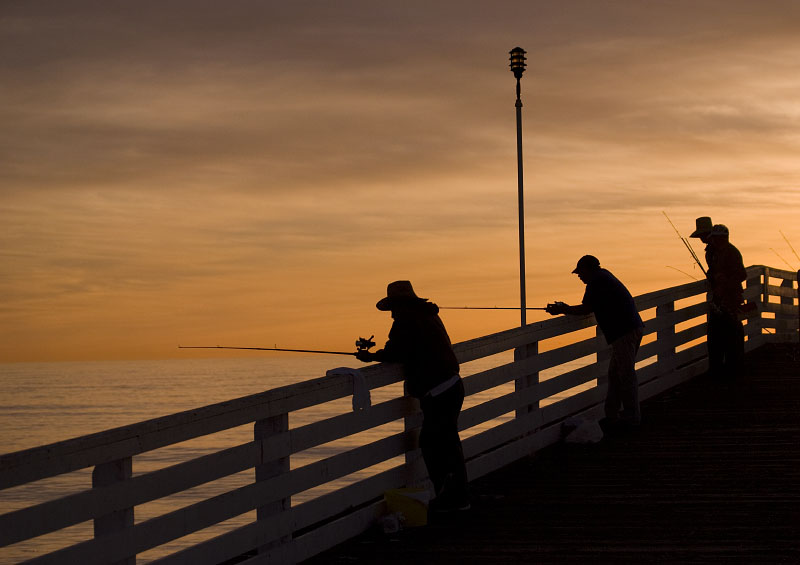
{"x": 582, "y": 431}
{"x": 409, "y": 504}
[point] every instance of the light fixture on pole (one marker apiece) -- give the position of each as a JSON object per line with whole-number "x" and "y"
{"x": 517, "y": 58}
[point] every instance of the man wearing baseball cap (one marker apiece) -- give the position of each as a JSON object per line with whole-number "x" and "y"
{"x": 619, "y": 320}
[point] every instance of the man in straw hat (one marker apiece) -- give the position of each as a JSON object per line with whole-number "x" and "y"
{"x": 619, "y": 320}
{"x": 419, "y": 340}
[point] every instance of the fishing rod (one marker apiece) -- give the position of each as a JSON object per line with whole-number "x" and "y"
{"x": 486, "y": 308}
{"x": 362, "y": 344}
{"x": 686, "y": 243}
{"x": 680, "y": 271}
{"x": 790, "y": 245}
{"x": 781, "y": 258}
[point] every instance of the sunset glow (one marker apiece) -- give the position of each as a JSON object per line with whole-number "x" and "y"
{"x": 255, "y": 173}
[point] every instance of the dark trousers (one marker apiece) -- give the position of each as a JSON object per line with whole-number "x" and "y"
{"x": 725, "y": 343}
{"x": 440, "y": 442}
{"x": 623, "y": 386}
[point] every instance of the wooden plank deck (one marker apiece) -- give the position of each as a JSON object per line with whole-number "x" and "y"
{"x": 712, "y": 476}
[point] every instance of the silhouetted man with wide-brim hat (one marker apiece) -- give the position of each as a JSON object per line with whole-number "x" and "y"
{"x": 419, "y": 340}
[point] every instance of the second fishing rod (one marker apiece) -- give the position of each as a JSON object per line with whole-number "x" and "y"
{"x": 362, "y": 344}
{"x": 487, "y": 308}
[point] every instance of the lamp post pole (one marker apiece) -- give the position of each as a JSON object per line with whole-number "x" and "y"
{"x": 517, "y": 58}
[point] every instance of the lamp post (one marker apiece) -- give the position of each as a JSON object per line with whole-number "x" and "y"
{"x": 517, "y": 58}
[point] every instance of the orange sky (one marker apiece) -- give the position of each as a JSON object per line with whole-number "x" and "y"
{"x": 254, "y": 173}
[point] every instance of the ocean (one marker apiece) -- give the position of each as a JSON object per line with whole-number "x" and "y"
{"x": 42, "y": 403}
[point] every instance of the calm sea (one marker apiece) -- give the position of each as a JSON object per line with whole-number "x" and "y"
{"x": 42, "y": 403}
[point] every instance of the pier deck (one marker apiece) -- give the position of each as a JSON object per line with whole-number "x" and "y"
{"x": 712, "y": 475}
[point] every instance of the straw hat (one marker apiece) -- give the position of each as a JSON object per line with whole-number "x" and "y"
{"x": 703, "y": 226}
{"x": 397, "y": 292}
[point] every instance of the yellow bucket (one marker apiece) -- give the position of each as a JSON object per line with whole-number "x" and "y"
{"x": 411, "y": 504}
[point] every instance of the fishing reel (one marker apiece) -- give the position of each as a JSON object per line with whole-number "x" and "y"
{"x": 555, "y": 308}
{"x": 364, "y": 344}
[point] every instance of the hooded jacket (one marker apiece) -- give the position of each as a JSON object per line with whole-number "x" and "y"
{"x": 419, "y": 340}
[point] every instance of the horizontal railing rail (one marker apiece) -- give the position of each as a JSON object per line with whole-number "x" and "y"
{"x": 557, "y": 372}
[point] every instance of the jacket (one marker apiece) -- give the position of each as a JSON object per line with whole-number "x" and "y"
{"x": 725, "y": 275}
{"x": 419, "y": 340}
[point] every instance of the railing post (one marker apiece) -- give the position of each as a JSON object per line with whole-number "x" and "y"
{"x": 754, "y": 325}
{"x": 765, "y": 294}
{"x": 666, "y": 337}
{"x": 415, "y": 472}
{"x": 525, "y": 382}
{"x": 104, "y": 475}
{"x": 782, "y": 323}
{"x": 270, "y": 468}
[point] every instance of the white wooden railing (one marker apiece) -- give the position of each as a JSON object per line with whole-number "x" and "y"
{"x": 516, "y": 421}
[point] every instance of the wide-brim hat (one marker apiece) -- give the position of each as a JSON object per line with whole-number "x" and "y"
{"x": 703, "y": 226}
{"x": 587, "y": 263}
{"x": 397, "y": 292}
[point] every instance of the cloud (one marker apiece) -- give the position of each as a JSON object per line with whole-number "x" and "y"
{"x": 172, "y": 164}
{"x": 256, "y": 97}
